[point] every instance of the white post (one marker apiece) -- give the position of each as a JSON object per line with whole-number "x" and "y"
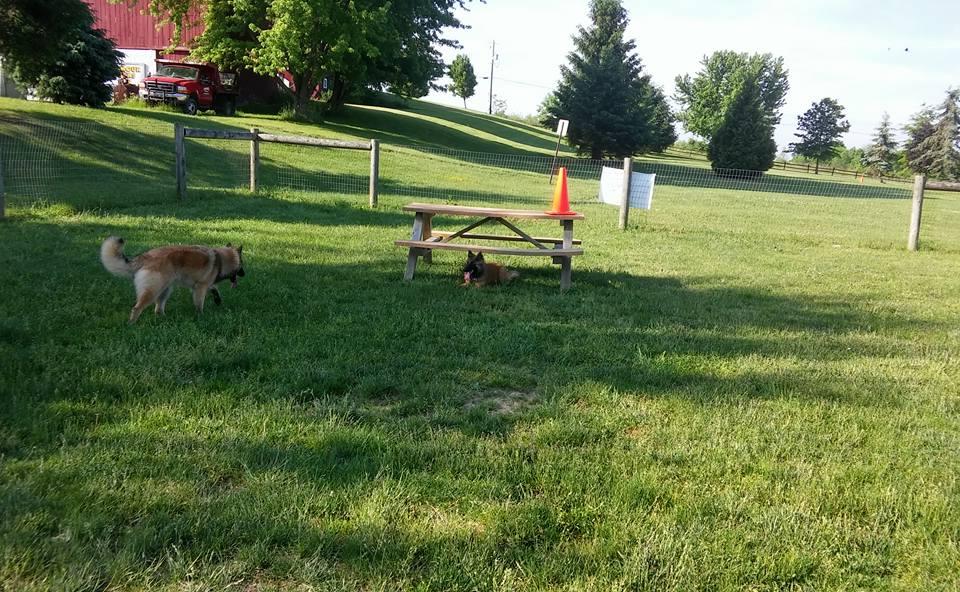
{"x": 913, "y": 241}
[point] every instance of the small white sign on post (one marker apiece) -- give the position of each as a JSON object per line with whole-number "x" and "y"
{"x": 641, "y": 188}
{"x": 562, "y": 125}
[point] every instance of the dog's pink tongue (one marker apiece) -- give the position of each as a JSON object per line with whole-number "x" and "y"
{"x": 466, "y": 278}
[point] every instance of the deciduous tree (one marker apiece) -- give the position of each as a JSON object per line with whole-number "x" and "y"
{"x": 463, "y": 77}
{"x": 820, "y": 130}
{"x": 705, "y": 97}
{"x": 353, "y": 44}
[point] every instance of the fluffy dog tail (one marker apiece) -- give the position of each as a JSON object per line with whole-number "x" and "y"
{"x": 113, "y": 259}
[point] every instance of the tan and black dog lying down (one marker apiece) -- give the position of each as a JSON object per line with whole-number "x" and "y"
{"x": 156, "y": 272}
{"x": 478, "y": 272}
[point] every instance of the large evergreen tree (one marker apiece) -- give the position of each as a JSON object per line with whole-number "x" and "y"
{"x": 463, "y": 77}
{"x": 743, "y": 145}
{"x": 602, "y": 90}
{"x": 705, "y": 98}
{"x": 921, "y": 126}
{"x": 87, "y": 61}
{"x": 32, "y": 32}
{"x": 881, "y": 155}
{"x": 940, "y": 151}
{"x": 662, "y": 134}
{"x": 820, "y": 130}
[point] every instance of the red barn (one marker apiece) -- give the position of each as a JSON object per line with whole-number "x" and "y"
{"x": 142, "y": 42}
{"x": 137, "y": 35}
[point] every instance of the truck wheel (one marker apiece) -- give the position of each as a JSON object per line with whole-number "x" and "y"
{"x": 190, "y": 107}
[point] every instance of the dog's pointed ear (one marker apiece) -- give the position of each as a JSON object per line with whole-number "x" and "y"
{"x": 470, "y": 255}
{"x": 479, "y": 256}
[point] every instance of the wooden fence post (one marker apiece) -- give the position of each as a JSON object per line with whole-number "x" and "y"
{"x": 3, "y": 198}
{"x": 913, "y": 241}
{"x": 625, "y": 193}
{"x": 254, "y": 158}
{"x": 374, "y": 171}
{"x": 181, "y": 159}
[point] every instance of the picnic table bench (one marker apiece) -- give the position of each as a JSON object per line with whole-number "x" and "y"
{"x": 424, "y": 240}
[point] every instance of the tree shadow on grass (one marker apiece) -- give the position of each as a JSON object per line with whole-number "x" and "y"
{"x": 287, "y": 420}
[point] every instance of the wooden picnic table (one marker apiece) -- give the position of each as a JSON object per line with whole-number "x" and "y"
{"x": 424, "y": 240}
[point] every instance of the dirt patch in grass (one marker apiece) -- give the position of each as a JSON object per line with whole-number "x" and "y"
{"x": 502, "y": 401}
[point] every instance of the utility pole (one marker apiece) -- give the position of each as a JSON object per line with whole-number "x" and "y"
{"x": 493, "y": 58}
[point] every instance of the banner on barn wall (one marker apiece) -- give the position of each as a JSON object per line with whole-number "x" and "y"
{"x": 641, "y": 188}
{"x": 135, "y": 72}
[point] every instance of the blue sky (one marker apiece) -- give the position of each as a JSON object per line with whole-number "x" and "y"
{"x": 851, "y": 51}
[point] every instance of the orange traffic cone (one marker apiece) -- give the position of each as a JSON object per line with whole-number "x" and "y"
{"x": 561, "y": 200}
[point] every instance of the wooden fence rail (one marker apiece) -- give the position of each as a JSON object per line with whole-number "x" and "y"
{"x": 255, "y": 136}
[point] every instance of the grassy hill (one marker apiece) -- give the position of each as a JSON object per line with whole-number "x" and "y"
{"x": 747, "y": 390}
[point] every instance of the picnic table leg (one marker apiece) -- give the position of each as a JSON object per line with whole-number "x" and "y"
{"x": 566, "y": 264}
{"x": 414, "y": 251}
{"x": 427, "y": 233}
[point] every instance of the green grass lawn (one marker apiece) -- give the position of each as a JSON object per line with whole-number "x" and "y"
{"x": 745, "y": 391}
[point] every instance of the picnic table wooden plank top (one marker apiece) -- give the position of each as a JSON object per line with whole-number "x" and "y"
{"x": 490, "y": 212}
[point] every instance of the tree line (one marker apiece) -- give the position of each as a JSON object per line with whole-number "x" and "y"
{"x": 733, "y": 102}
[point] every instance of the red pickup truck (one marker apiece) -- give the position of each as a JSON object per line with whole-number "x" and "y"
{"x": 193, "y": 87}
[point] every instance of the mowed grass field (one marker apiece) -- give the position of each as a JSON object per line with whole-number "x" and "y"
{"x": 745, "y": 391}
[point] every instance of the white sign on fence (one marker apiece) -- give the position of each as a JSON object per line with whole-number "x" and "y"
{"x": 562, "y": 125}
{"x": 641, "y": 188}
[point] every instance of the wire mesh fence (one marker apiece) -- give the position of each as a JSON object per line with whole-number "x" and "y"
{"x": 84, "y": 164}
{"x": 95, "y": 165}
{"x": 315, "y": 169}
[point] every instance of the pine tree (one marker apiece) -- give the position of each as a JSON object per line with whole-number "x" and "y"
{"x": 941, "y": 149}
{"x": 743, "y": 145}
{"x": 88, "y": 61}
{"x": 881, "y": 155}
{"x": 602, "y": 89}
{"x": 820, "y": 130}
{"x": 920, "y": 128}
{"x": 464, "y": 79}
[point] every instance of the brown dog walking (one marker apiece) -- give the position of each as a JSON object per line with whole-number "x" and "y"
{"x": 156, "y": 272}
